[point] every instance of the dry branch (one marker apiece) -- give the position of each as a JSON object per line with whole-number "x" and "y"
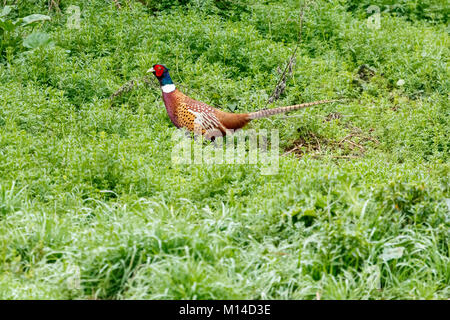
{"x": 289, "y": 69}
{"x": 54, "y": 4}
{"x": 130, "y": 85}
{"x": 117, "y": 3}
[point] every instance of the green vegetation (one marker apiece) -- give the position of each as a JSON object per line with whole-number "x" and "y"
{"x": 92, "y": 207}
{"x": 11, "y": 39}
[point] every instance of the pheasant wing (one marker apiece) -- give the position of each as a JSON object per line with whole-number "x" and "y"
{"x": 199, "y": 117}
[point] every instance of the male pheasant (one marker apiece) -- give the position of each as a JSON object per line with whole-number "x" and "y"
{"x": 197, "y": 116}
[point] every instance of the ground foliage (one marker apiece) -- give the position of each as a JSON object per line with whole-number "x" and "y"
{"x": 92, "y": 207}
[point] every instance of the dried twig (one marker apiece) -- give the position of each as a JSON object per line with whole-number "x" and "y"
{"x": 346, "y": 157}
{"x": 117, "y": 3}
{"x": 356, "y": 145}
{"x": 317, "y": 140}
{"x": 292, "y": 150}
{"x": 130, "y": 85}
{"x": 375, "y": 140}
{"x": 315, "y": 146}
{"x": 53, "y": 4}
{"x": 289, "y": 69}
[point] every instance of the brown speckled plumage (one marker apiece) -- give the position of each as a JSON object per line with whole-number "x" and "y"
{"x": 198, "y": 117}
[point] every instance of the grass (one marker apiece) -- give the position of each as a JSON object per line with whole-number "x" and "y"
{"x": 91, "y": 206}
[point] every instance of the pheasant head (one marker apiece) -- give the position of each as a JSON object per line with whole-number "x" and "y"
{"x": 161, "y": 72}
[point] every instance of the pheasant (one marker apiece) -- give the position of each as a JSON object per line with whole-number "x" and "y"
{"x": 200, "y": 118}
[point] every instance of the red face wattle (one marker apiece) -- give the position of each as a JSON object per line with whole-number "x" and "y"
{"x": 159, "y": 70}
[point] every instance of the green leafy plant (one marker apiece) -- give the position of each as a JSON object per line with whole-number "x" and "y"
{"x": 10, "y": 35}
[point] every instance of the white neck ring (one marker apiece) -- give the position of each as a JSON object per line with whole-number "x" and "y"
{"x": 167, "y": 88}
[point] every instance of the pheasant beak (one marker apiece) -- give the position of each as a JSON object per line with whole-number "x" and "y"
{"x": 150, "y": 70}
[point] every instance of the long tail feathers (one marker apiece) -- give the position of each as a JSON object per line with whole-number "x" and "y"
{"x": 270, "y": 112}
